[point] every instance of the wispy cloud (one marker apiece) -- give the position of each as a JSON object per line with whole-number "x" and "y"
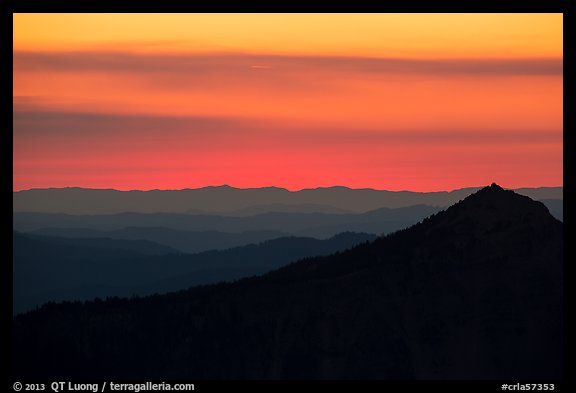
{"x": 43, "y": 124}
{"x": 107, "y": 61}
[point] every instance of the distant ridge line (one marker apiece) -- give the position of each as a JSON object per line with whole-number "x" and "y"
{"x": 226, "y": 186}
{"x": 223, "y": 199}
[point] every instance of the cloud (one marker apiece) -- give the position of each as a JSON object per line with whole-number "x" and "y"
{"x": 201, "y": 64}
{"x": 108, "y": 125}
{"x": 250, "y": 132}
{"x": 146, "y": 151}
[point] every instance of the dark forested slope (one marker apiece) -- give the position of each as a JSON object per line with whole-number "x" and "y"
{"x": 49, "y": 268}
{"x": 472, "y": 292}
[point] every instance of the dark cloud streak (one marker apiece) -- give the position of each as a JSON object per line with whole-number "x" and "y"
{"x": 107, "y": 61}
{"x": 34, "y": 124}
{"x": 38, "y": 123}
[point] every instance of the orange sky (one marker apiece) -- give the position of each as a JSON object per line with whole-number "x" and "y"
{"x": 389, "y": 101}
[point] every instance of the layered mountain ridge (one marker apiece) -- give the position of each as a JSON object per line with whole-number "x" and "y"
{"x": 472, "y": 292}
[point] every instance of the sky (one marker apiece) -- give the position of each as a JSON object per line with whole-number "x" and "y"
{"x": 420, "y": 102}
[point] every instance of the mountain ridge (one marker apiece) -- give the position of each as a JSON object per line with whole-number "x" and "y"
{"x": 222, "y": 199}
{"x": 225, "y": 186}
{"x": 471, "y": 292}
{"x": 48, "y": 268}
{"x": 319, "y": 225}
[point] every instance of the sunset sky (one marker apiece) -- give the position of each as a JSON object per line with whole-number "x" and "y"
{"x": 417, "y": 102}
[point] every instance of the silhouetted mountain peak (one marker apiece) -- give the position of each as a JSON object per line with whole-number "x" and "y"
{"x": 492, "y": 221}
{"x": 496, "y": 202}
{"x": 493, "y": 210}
